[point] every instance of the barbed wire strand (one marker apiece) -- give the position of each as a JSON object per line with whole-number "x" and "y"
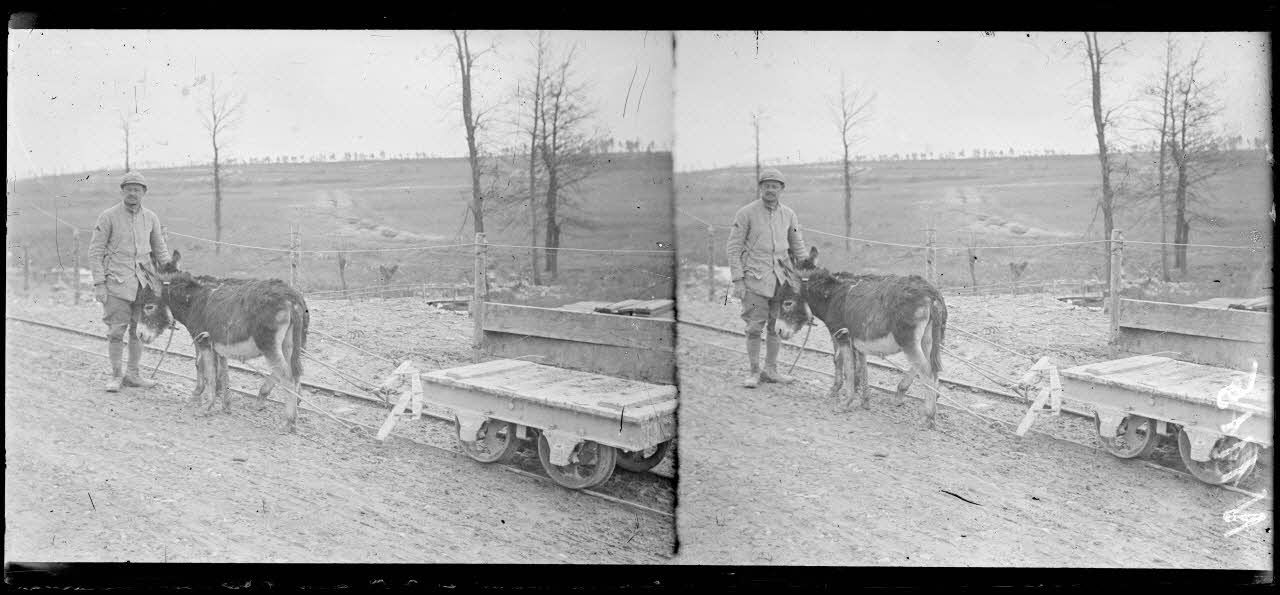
{"x": 997, "y": 247}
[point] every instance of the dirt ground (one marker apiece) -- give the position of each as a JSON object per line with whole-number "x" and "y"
{"x": 767, "y": 476}
{"x": 92, "y": 476}
{"x": 776, "y": 476}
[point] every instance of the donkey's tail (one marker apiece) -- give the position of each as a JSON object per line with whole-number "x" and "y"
{"x": 938, "y": 315}
{"x": 301, "y": 319}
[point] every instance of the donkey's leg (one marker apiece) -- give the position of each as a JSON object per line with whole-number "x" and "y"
{"x": 920, "y": 365}
{"x": 224, "y": 383}
{"x": 206, "y": 361}
{"x": 280, "y": 374}
{"x": 861, "y": 382}
{"x": 850, "y": 374}
{"x": 838, "y": 355}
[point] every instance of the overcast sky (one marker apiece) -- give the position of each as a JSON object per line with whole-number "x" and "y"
{"x": 307, "y": 91}
{"x": 935, "y": 92}
{"x": 396, "y": 91}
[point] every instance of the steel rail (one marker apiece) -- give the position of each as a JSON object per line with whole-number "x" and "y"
{"x": 890, "y": 366}
{"x": 885, "y": 390}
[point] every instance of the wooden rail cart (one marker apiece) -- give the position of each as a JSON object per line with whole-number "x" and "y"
{"x": 1208, "y": 395}
{"x": 593, "y": 390}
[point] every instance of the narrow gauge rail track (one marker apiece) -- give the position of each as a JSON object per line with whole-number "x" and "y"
{"x": 973, "y": 387}
{"x": 652, "y": 481}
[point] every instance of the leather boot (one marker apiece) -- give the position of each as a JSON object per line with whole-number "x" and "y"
{"x": 771, "y": 374}
{"x": 115, "y": 350}
{"x": 753, "y": 356}
{"x": 132, "y": 377}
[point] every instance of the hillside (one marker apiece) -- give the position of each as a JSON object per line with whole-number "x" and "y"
{"x": 368, "y": 205}
{"x": 992, "y": 202}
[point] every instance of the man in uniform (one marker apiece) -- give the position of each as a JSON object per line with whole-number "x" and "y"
{"x": 763, "y": 232}
{"x": 126, "y": 247}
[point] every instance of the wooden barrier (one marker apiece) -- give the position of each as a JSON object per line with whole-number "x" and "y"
{"x": 1213, "y": 336}
{"x": 636, "y": 348}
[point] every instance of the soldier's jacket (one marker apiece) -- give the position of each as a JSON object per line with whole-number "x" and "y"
{"x": 122, "y": 248}
{"x": 760, "y": 236}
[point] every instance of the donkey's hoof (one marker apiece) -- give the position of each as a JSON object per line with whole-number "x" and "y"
{"x": 865, "y": 404}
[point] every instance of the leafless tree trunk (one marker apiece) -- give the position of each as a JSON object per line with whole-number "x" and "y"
{"x": 565, "y": 149}
{"x": 466, "y": 60}
{"x": 1097, "y": 57}
{"x": 125, "y": 125}
{"x": 536, "y": 119}
{"x": 1193, "y": 148}
{"x": 220, "y": 115}
{"x": 850, "y": 110}
{"x": 1166, "y": 96}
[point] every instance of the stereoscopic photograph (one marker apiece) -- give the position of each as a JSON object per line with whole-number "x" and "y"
{"x": 860, "y": 299}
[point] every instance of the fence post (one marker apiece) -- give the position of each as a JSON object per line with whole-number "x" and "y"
{"x": 26, "y": 269}
{"x": 973, "y": 260}
{"x": 75, "y": 266}
{"x": 293, "y": 255}
{"x": 930, "y": 267}
{"x": 1117, "y": 261}
{"x": 711, "y": 263}
{"x": 478, "y": 293}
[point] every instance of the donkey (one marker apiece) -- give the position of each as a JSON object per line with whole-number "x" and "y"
{"x": 880, "y": 314}
{"x": 237, "y": 318}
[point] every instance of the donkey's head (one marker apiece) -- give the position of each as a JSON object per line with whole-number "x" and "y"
{"x": 165, "y": 299}
{"x": 155, "y": 318}
{"x": 795, "y": 313}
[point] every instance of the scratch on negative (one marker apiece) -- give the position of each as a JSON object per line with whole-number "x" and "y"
{"x": 627, "y": 98}
{"x": 960, "y": 497}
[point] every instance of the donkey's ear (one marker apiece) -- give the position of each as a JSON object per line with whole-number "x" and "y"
{"x": 813, "y": 255}
{"x": 176, "y": 260}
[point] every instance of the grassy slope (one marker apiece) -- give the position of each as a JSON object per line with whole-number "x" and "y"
{"x": 378, "y": 204}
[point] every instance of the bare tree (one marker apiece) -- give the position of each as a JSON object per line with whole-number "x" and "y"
{"x": 564, "y": 146}
{"x": 223, "y": 112}
{"x": 125, "y": 127}
{"x": 472, "y": 120}
{"x": 534, "y": 128}
{"x": 1193, "y": 148}
{"x": 1162, "y": 92}
{"x": 1103, "y": 121}
{"x": 851, "y": 109}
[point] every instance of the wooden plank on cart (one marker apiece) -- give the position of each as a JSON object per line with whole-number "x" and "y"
{"x": 587, "y": 307}
{"x": 1215, "y": 336}
{"x": 1190, "y": 319}
{"x": 657, "y": 366}
{"x": 617, "y": 307}
{"x": 654, "y": 307}
{"x": 1185, "y": 381}
{"x": 574, "y": 326}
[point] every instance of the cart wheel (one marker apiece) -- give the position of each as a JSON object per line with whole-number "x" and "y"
{"x": 1136, "y": 437}
{"x": 495, "y": 441}
{"x": 590, "y": 464}
{"x": 643, "y": 460}
{"x": 1228, "y": 455}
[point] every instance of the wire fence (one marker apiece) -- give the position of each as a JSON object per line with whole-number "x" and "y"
{"x": 442, "y": 271}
